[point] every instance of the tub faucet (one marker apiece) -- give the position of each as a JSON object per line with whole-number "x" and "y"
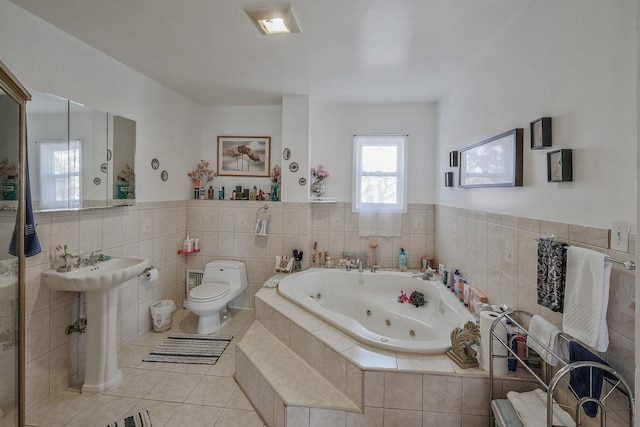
{"x": 359, "y": 265}
{"x": 374, "y": 268}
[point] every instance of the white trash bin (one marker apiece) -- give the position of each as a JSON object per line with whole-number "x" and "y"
{"x": 161, "y": 313}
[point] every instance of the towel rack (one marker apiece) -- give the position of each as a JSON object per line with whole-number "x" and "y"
{"x": 629, "y": 265}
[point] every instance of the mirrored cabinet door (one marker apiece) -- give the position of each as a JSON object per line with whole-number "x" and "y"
{"x": 12, "y": 99}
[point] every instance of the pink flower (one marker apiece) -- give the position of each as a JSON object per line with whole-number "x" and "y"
{"x": 202, "y": 173}
{"x": 319, "y": 174}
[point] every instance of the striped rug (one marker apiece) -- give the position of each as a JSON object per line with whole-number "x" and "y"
{"x": 190, "y": 348}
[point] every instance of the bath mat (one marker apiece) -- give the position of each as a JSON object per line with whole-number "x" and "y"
{"x": 190, "y": 349}
{"x": 141, "y": 419}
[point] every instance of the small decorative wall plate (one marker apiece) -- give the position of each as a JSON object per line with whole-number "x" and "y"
{"x": 164, "y": 175}
{"x": 286, "y": 154}
{"x": 293, "y": 167}
{"x": 104, "y": 168}
{"x": 155, "y": 164}
{"x": 302, "y": 181}
{"x": 97, "y": 180}
{"x": 109, "y": 154}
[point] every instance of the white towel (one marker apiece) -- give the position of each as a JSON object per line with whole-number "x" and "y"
{"x": 367, "y": 224}
{"x": 548, "y": 335}
{"x": 586, "y": 297}
{"x": 531, "y": 408}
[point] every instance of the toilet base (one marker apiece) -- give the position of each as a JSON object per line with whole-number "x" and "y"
{"x": 209, "y": 324}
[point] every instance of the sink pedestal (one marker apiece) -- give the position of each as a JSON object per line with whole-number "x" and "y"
{"x": 102, "y": 371}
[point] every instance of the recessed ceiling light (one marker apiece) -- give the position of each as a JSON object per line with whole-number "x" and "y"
{"x": 274, "y": 19}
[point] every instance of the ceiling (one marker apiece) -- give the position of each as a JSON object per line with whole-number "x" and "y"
{"x": 349, "y": 51}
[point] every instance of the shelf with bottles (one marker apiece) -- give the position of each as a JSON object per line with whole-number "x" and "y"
{"x": 183, "y": 252}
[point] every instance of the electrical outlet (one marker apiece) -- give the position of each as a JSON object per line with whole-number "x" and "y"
{"x": 620, "y": 236}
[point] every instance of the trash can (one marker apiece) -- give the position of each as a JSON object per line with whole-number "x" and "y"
{"x": 161, "y": 313}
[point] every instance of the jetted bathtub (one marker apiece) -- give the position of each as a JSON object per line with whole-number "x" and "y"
{"x": 365, "y": 306}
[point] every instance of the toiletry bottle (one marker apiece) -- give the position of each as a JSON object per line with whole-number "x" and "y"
{"x": 461, "y": 289}
{"x": 196, "y": 190}
{"x": 445, "y": 277}
{"x": 314, "y": 255}
{"x": 221, "y": 193}
{"x": 210, "y": 193}
{"x": 186, "y": 247}
{"x": 456, "y": 282}
{"x": 402, "y": 260}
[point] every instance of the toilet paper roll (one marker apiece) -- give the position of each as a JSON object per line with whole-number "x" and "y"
{"x": 151, "y": 275}
{"x": 486, "y": 320}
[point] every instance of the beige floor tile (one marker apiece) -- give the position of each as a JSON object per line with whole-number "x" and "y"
{"x": 174, "y": 387}
{"x": 103, "y": 410}
{"x": 236, "y": 417}
{"x": 136, "y": 382}
{"x": 224, "y": 367}
{"x": 213, "y": 391}
{"x": 239, "y": 401}
{"x": 194, "y": 416}
{"x": 159, "y": 412}
{"x": 132, "y": 355}
{"x": 60, "y": 409}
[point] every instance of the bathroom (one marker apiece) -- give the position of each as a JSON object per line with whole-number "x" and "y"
{"x": 487, "y": 233}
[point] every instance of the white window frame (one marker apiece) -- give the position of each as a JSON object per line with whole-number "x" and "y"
{"x": 49, "y": 198}
{"x": 361, "y": 141}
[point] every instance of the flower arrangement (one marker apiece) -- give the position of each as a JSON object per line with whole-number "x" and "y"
{"x": 127, "y": 175}
{"x": 7, "y": 169}
{"x": 202, "y": 173}
{"x": 319, "y": 174}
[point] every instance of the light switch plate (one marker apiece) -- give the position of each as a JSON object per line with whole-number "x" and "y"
{"x": 620, "y": 236}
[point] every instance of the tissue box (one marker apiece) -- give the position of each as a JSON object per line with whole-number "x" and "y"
{"x": 475, "y": 296}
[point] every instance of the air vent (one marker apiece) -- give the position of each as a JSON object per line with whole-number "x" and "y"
{"x": 194, "y": 278}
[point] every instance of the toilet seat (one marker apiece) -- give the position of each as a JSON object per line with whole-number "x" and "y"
{"x": 209, "y": 291}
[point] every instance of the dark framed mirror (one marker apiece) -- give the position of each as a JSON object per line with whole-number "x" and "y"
{"x": 494, "y": 162}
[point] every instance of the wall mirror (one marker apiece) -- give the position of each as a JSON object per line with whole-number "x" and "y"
{"x": 79, "y": 157}
{"x": 494, "y": 162}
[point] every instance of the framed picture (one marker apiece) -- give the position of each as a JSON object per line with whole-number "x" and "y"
{"x": 494, "y": 162}
{"x": 448, "y": 179}
{"x": 560, "y": 166}
{"x": 453, "y": 159}
{"x": 540, "y": 133}
{"x": 244, "y": 156}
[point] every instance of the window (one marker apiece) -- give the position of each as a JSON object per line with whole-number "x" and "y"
{"x": 59, "y": 174}
{"x": 379, "y": 173}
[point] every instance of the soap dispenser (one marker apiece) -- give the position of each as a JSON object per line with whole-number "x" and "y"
{"x": 402, "y": 260}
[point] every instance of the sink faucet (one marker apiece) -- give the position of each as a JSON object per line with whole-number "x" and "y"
{"x": 93, "y": 258}
{"x": 359, "y": 265}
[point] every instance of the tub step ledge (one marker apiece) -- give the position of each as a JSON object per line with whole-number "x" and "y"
{"x": 282, "y": 386}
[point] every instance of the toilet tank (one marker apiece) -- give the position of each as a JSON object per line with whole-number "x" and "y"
{"x": 226, "y": 271}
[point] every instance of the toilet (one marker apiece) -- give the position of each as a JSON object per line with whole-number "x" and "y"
{"x": 222, "y": 281}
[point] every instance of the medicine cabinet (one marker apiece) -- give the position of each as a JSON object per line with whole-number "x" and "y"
{"x": 79, "y": 157}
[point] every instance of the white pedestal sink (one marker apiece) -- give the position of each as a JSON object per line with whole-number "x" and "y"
{"x": 100, "y": 282}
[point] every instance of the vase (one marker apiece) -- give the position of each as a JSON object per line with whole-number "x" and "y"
{"x": 317, "y": 188}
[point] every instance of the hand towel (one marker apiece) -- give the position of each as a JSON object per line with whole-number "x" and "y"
{"x": 548, "y": 335}
{"x": 586, "y": 382}
{"x": 531, "y": 408}
{"x": 587, "y": 297}
{"x": 367, "y": 224}
{"x": 552, "y": 262}
{"x": 31, "y": 241}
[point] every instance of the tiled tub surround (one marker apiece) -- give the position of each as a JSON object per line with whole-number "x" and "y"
{"x": 498, "y": 254}
{"x": 388, "y": 388}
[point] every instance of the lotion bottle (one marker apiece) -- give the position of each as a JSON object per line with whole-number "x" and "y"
{"x": 402, "y": 260}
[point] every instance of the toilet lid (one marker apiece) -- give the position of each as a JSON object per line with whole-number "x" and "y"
{"x": 208, "y": 291}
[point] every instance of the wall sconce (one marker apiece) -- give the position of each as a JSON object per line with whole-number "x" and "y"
{"x": 453, "y": 159}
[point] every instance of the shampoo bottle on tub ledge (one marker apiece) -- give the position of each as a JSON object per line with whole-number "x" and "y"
{"x": 402, "y": 260}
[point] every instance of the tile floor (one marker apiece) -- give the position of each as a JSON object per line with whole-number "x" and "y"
{"x": 174, "y": 394}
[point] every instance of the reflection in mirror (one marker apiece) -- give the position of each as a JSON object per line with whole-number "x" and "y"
{"x": 80, "y": 157}
{"x": 9, "y": 309}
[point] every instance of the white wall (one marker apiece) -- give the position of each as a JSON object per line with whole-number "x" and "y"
{"x": 574, "y": 61}
{"x": 238, "y": 121}
{"x": 43, "y": 57}
{"x": 332, "y": 130}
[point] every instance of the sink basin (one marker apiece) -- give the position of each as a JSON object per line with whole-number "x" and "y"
{"x": 95, "y": 278}
{"x": 100, "y": 282}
